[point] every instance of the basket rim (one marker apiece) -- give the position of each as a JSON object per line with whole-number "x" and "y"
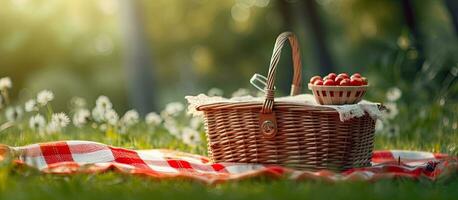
{"x": 311, "y": 86}
{"x": 279, "y": 105}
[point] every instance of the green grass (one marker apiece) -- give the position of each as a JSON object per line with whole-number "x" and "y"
{"x": 22, "y": 183}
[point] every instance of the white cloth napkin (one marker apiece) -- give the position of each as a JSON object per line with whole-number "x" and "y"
{"x": 346, "y": 112}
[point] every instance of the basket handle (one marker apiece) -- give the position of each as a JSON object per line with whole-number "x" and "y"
{"x": 297, "y": 76}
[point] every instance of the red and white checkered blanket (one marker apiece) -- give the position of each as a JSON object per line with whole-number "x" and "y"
{"x": 69, "y": 157}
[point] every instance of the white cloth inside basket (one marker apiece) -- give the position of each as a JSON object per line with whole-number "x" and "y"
{"x": 346, "y": 112}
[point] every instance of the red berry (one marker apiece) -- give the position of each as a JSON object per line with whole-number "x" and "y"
{"x": 329, "y": 82}
{"x": 356, "y": 81}
{"x": 345, "y": 82}
{"x": 332, "y": 76}
{"x": 364, "y": 79}
{"x": 344, "y": 75}
{"x": 356, "y": 75}
{"x": 315, "y": 78}
{"x": 339, "y": 78}
{"x": 318, "y": 82}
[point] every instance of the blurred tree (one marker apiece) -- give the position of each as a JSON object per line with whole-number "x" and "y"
{"x": 452, "y": 6}
{"x": 319, "y": 36}
{"x": 138, "y": 57}
{"x": 411, "y": 23}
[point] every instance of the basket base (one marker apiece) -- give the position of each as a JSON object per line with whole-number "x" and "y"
{"x": 313, "y": 140}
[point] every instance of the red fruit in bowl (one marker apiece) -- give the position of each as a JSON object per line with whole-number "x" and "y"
{"x": 339, "y": 78}
{"x": 345, "y": 82}
{"x": 332, "y": 76}
{"x": 329, "y": 82}
{"x": 344, "y": 75}
{"x": 356, "y": 75}
{"x": 315, "y": 78}
{"x": 356, "y": 81}
{"x": 364, "y": 79}
{"x": 318, "y": 82}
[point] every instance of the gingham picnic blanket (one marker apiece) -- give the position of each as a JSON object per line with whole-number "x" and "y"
{"x": 71, "y": 157}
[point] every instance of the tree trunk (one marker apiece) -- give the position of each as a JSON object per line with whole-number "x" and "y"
{"x": 411, "y": 23}
{"x": 318, "y": 36}
{"x": 138, "y": 61}
{"x": 452, "y": 6}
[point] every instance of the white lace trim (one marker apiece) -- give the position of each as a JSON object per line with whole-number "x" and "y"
{"x": 346, "y": 112}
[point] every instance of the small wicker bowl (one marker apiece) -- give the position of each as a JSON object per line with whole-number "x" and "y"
{"x": 338, "y": 95}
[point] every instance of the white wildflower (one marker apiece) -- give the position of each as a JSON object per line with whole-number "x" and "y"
{"x": 111, "y": 117}
{"x": 393, "y": 94}
{"x": 215, "y": 92}
{"x": 31, "y": 105}
{"x": 190, "y": 136}
{"x": 37, "y": 122}
{"x": 379, "y": 125}
{"x": 81, "y": 117}
{"x": 153, "y": 118}
{"x": 61, "y": 120}
{"x": 5, "y": 83}
{"x": 103, "y": 102}
{"x": 173, "y": 109}
{"x": 196, "y": 122}
{"x": 172, "y": 128}
{"x": 52, "y": 127}
{"x": 241, "y": 92}
{"x": 130, "y": 118}
{"x": 78, "y": 102}
{"x": 13, "y": 113}
{"x": 44, "y": 97}
{"x": 103, "y": 127}
{"x": 98, "y": 114}
{"x": 391, "y": 110}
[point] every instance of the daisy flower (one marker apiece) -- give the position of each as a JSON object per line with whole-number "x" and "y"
{"x": 196, "y": 122}
{"x": 31, "y": 105}
{"x": 130, "y": 118}
{"x": 153, "y": 118}
{"x": 171, "y": 127}
{"x": 81, "y": 117}
{"x": 61, "y": 120}
{"x": 98, "y": 114}
{"x": 379, "y": 125}
{"x": 37, "y": 122}
{"x": 13, "y": 113}
{"x": 44, "y": 97}
{"x": 173, "y": 109}
{"x": 52, "y": 127}
{"x": 111, "y": 117}
{"x": 393, "y": 94}
{"x": 5, "y": 83}
{"x": 191, "y": 137}
{"x": 103, "y": 102}
{"x": 78, "y": 102}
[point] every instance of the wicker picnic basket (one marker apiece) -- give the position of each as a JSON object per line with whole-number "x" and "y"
{"x": 285, "y": 133}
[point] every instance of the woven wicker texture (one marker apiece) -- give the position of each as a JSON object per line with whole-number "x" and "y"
{"x": 338, "y": 95}
{"x": 287, "y": 134}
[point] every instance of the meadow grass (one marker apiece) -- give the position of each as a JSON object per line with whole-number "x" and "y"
{"x": 25, "y": 183}
{"x": 418, "y": 121}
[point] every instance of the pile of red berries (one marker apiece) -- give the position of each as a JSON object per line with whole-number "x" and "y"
{"x": 340, "y": 80}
